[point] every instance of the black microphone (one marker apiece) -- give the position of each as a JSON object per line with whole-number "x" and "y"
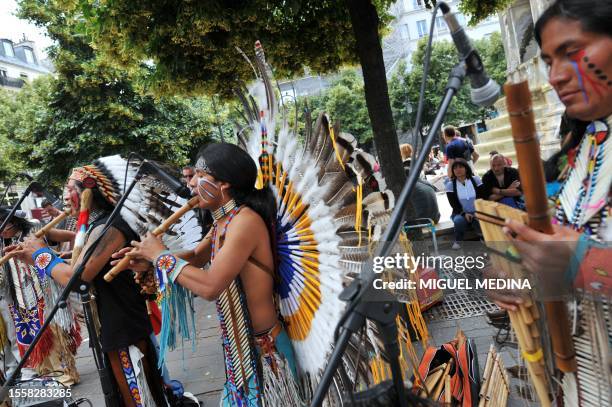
{"x": 484, "y": 90}
{"x": 177, "y": 186}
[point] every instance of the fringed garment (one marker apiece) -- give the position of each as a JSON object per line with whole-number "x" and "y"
{"x": 583, "y": 203}
{"x": 260, "y": 368}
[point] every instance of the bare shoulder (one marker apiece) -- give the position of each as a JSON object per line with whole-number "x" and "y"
{"x": 249, "y": 221}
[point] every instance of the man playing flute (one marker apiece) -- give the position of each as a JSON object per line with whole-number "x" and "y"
{"x": 125, "y": 327}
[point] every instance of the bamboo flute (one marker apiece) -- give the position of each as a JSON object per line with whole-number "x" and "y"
{"x": 485, "y": 376}
{"x": 160, "y": 230}
{"x": 528, "y": 344}
{"x": 520, "y": 110}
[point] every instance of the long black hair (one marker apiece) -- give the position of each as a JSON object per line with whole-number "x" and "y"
{"x": 594, "y": 16}
{"x": 461, "y": 162}
{"x": 229, "y": 163}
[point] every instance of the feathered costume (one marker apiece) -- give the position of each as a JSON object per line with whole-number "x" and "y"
{"x": 330, "y": 203}
{"x": 32, "y": 297}
{"x": 147, "y": 206}
{"x": 583, "y": 203}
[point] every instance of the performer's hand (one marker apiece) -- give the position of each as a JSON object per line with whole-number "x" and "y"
{"x": 505, "y": 299}
{"x": 146, "y": 280}
{"x": 515, "y": 185}
{"x": 136, "y": 265}
{"x": 469, "y": 217}
{"x": 548, "y": 256}
{"x": 11, "y": 248}
{"x": 28, "y": 247}
{"x": 149, "y": 248}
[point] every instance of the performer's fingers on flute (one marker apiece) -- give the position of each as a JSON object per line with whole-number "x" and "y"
{"x": 120, "y": 254}
{"x": 11, "y": 248}
{"x": 507, "y": 302}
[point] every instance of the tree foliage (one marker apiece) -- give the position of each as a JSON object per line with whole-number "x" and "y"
{"x": 193, "y": 45}
{"x": 478, "y": 10}
{"x": 92, "y": 108}
{"x": 343, "y": 101}
{"x": 404, "y": 87}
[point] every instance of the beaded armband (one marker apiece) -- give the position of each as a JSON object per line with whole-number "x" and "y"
{"x": 45, "y": 260}
{"x": 167, "y": 268}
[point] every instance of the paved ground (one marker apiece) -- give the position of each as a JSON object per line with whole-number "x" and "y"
{"x": 201, "y": 371}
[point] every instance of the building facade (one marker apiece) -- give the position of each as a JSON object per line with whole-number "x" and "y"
{"x": 412, "y": 22}
{"x": 19, "y": 63}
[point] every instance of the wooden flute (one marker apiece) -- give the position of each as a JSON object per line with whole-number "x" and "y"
{"x": 42, "y": 232}
{"x": 161, "y": 229}
{"x": 520, "y": 110}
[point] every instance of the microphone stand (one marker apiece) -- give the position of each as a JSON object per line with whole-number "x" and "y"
{"x": 384, "y": 310}
{"x": 82, "y": 287}
{"x": 17, "y": 205}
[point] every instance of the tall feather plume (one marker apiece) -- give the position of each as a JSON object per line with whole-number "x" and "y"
{"x": 320, "y": 243}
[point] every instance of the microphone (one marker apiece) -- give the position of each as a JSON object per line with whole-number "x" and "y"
{"x": 484, "y": 90}
{"x": 177, "y": 186}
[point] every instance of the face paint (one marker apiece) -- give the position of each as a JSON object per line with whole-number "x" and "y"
{"x": 201, "y": 183}
{"x": 75, "y": 200}
{"x": 582, "y": 75}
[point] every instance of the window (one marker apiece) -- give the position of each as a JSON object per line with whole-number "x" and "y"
{"x": 29, "y": 55}
{"x": 422, "y": 28}
{"x": 404, "y": 32}
{"x": 3, "y": 72}
{"x": 8, "y": 49}
{"x": 418, "y": 3}
{"x": 23, "y": 75}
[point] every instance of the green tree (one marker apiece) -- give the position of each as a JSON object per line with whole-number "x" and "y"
{"x": 93, "y": 108}
{"x": 405, "y": 86}
{"x": 192, "y": 46}
{"x": 20, "y": 114}
{"x": 478, "y": 10}
{"x": 343, "y": 101}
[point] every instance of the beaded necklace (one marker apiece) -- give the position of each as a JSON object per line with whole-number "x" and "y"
{"x": 223, "y": 210}
{"x": 581, "y": 202}
{"x": 233, "y": 212}
{"x": 232, "y": 311}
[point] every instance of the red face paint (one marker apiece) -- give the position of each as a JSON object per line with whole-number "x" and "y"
{"x": 580, "y": 59}
{"x": 75, "y": 200}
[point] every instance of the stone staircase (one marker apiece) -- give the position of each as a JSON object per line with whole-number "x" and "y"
{"x": 547, "y": 110}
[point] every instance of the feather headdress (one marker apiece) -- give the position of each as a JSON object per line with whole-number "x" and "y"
{"x": 330, "y": 203}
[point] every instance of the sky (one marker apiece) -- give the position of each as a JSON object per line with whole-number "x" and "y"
{"x": 13, "y": 28}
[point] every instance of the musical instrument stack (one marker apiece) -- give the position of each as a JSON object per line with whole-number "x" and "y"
{"x": 524, "y": 320}
{"x": 495, "y": 386}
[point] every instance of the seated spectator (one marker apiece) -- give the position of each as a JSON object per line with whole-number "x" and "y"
{"x": 502, "y": 183}
{"x": 406, "y": 151}
{"x": 506, "y": 159}
{"x": 423, "y": 197}
{"x": 462, "y": 190}
{"x": 458, "y": 147}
